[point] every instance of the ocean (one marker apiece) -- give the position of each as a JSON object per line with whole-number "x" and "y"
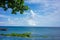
{"x": 53, "y": 33}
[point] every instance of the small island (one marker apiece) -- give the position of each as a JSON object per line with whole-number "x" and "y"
{"x": 3, "y": 29}
{"x": 26, "y": 35}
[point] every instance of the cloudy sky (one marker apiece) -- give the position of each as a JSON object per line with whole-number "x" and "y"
{"x": 41, "y": 13}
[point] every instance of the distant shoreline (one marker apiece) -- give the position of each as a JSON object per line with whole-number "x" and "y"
{"x": 29, "y": 26}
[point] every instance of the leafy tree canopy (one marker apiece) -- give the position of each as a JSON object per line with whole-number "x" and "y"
{"x": 15, "y": 5}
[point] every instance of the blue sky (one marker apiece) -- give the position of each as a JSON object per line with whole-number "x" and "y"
{"x": 41, "y": 13}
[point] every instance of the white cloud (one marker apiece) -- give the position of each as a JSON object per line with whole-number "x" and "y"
{"x": 53, "y": 19}
{"x": 4, "y": 16}
{"x": 33, "y": 1}
{"x": 17, "y": 21}
{"x": 41, "y": 1}
{"x": 28, "y": 21}
{"x": 32, "y": 13}
{"x": 2, "y": 22}
{"x": 10, "y": 21}
{"x": 31, "y": 22}
{"x": 36, "y": 1}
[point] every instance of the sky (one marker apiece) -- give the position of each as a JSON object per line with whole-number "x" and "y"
{"x": 42, "y": 13}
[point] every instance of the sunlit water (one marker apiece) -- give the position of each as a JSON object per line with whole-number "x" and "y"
{"x": 53, "y": 33}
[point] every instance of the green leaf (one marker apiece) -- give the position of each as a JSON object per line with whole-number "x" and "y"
{"x": 25, "y": 8}
{"x": 21, "y": 11}
{"x": 16, "y": 5}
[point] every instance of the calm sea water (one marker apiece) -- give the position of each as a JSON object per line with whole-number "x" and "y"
{"x": 53, "y": 33}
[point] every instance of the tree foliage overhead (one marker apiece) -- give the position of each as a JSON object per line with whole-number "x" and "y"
{"x": 15, "y": 5}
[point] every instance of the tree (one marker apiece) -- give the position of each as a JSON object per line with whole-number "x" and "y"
{"x": 15, "y": 5}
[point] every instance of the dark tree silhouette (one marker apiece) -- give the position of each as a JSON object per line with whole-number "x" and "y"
{"x": 15, "y": 5}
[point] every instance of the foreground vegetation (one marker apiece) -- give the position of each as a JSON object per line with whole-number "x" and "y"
{"x": 26, "y": 35}
{"x": 15, "y": 5}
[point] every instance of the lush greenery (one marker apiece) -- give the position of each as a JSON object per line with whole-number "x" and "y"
{"x": 26, "y": 35}
{"x": 15, "y": 5}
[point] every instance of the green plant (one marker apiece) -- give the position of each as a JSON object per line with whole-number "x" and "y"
{"x": 15, "y": 5}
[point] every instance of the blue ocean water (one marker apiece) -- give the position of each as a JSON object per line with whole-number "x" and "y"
{"x": 53, "y": 33}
